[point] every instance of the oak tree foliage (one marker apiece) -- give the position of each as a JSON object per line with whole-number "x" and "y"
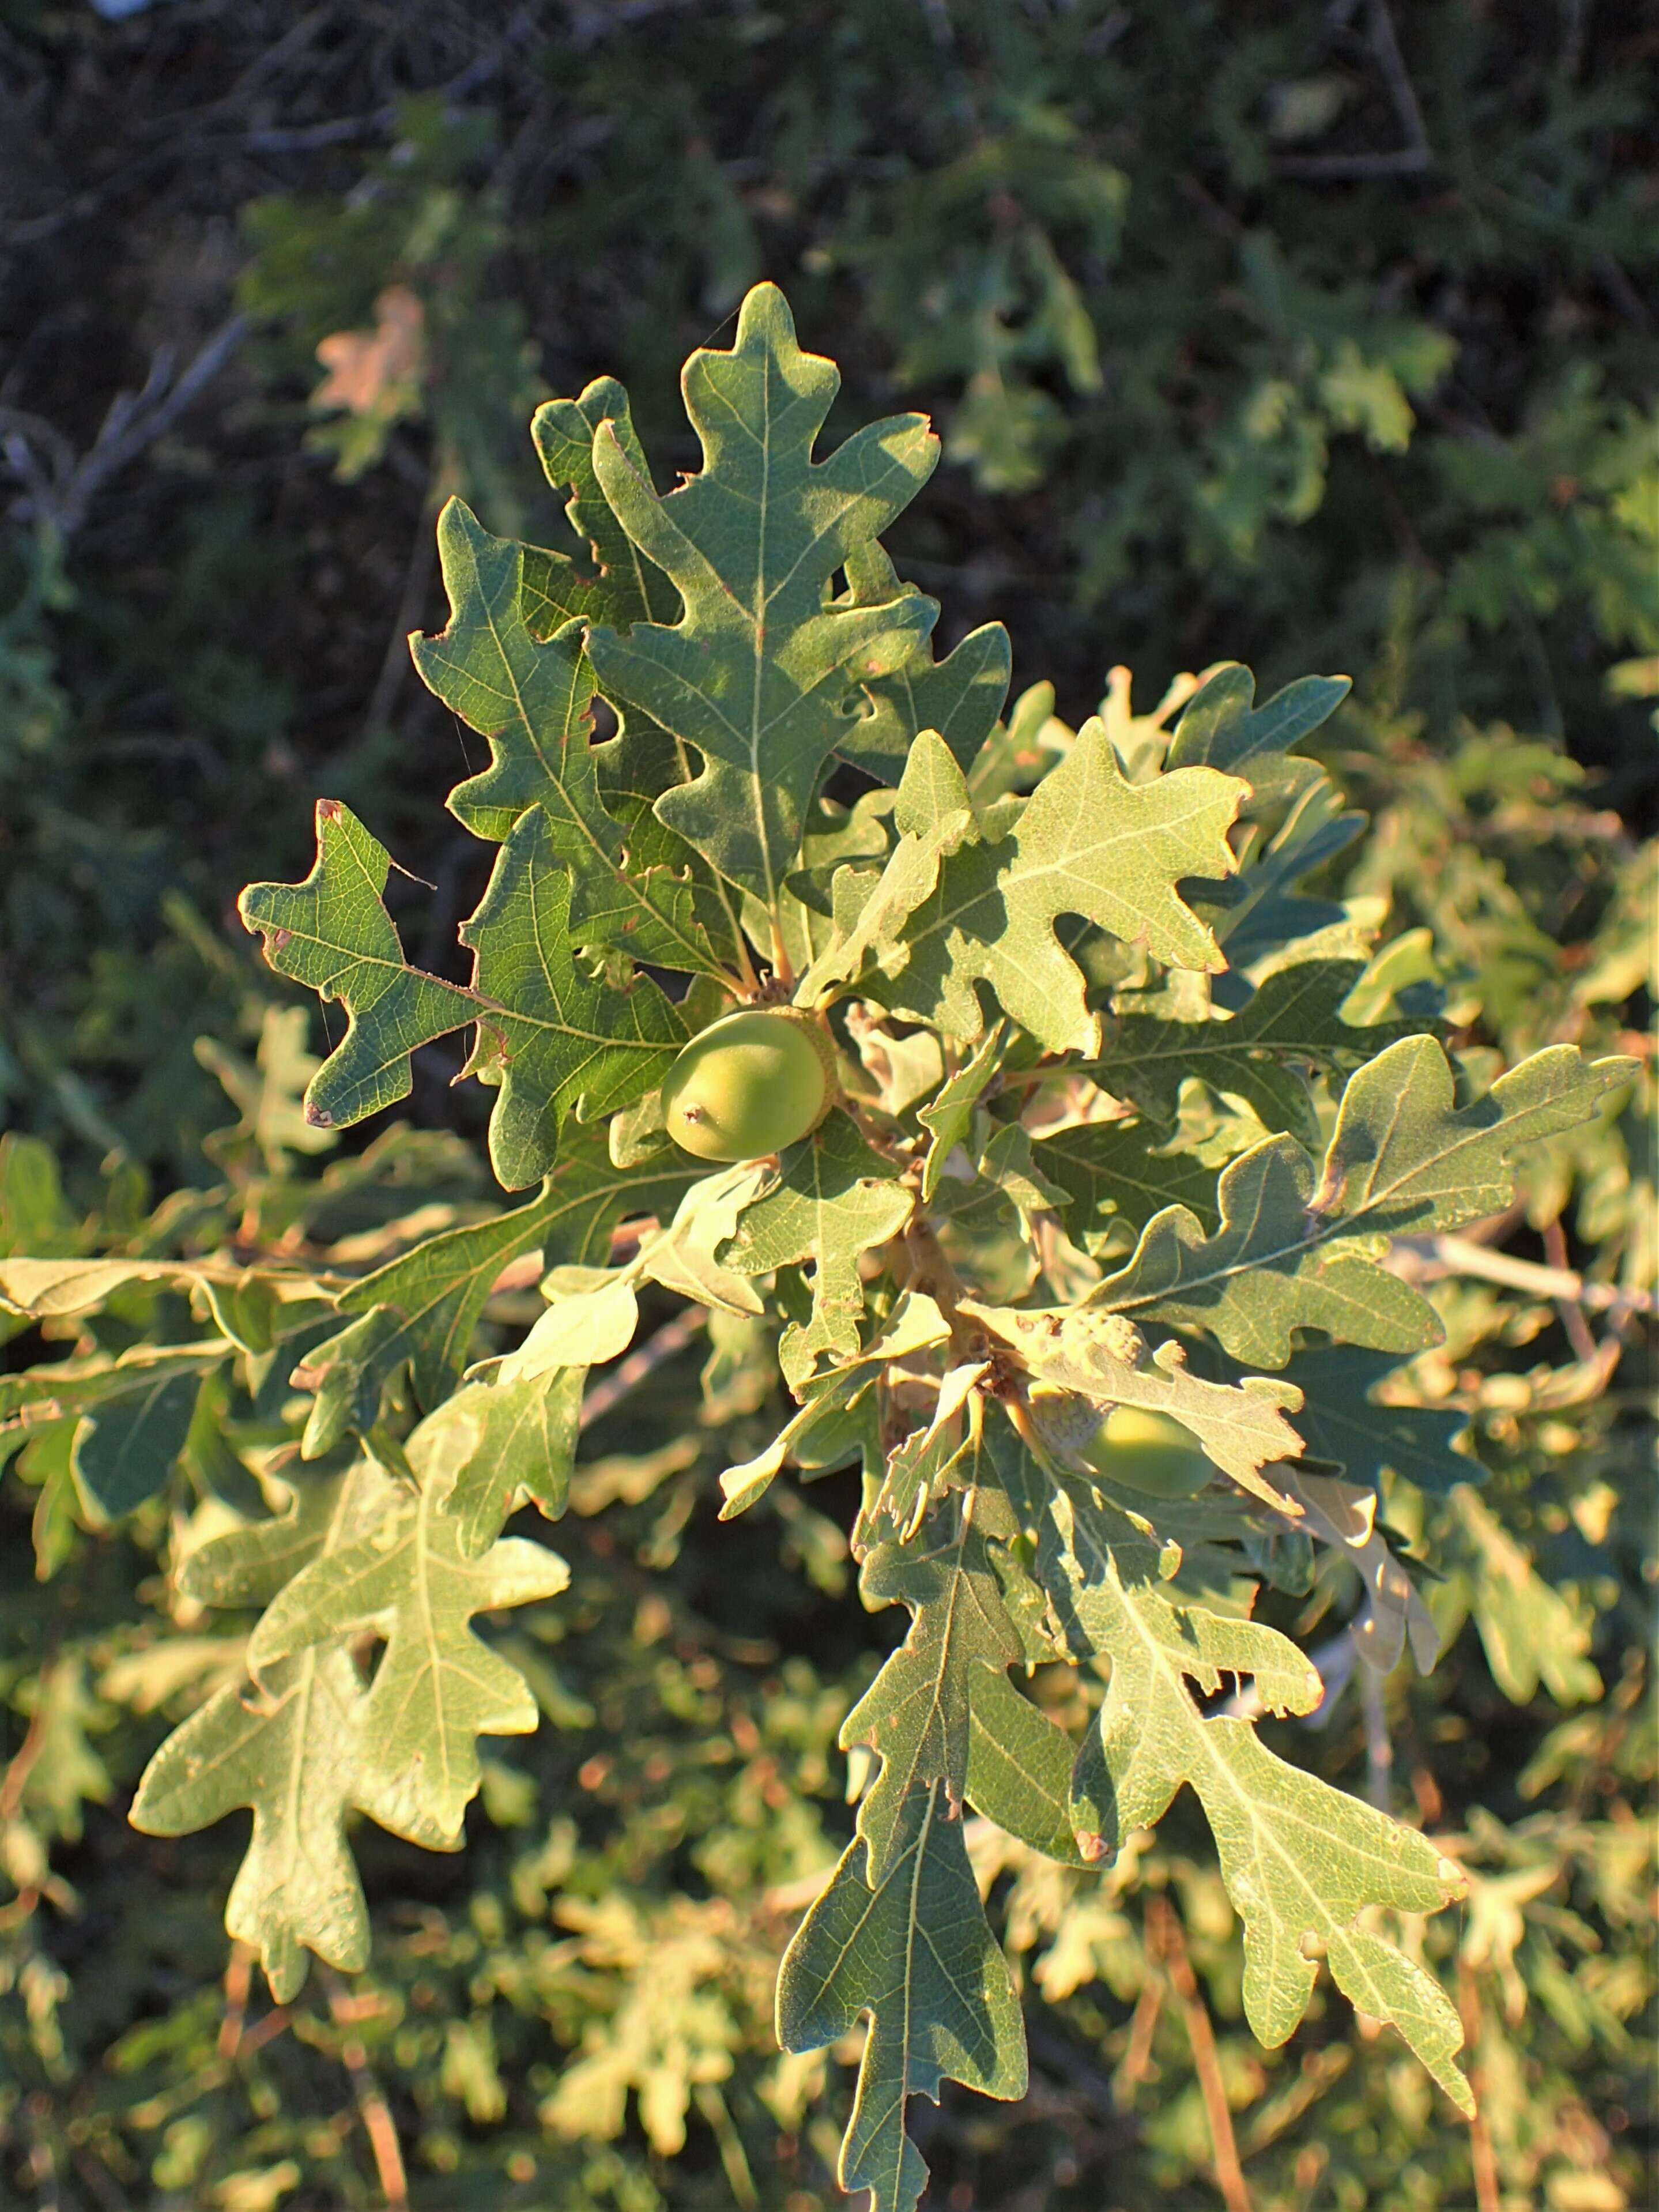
{"x": 1121, "y": 1110}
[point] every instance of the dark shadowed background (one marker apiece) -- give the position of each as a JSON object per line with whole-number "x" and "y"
{"x": 1322, "y": 337}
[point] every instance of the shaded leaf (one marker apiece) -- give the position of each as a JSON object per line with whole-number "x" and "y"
{"x": 521, "y": 1444}
{"x": 124, "y": 1451}
{"x": 916, "y": 1953}
{"x": 1241, "y": 1428}
{"x": 1260, "y": 921}
{"x": 1300, "y": 1859}
{"x": 1344, "y": 1515}
{"x": 1299, "y": 1246}
{"x": 916, "y": 1713}
{"x": 287, "y": 1749}
{"x": 960, "y": 697}
{"x": 416, "y": 1316}
{"x": 1293, "y": 1022}
{"x": 1222, "y": 728}
{"x": 1342, "y": 1420}
{"x": 290, "y": 1751}
{"x": 1019, "y": 1770}
{"x": 626, "y": 588}
{"x": 555, "y": 1041}
{"x": 437, "y": 1688}
{"x": 1119, "y": 1171}
{"x": 531, "y": 697}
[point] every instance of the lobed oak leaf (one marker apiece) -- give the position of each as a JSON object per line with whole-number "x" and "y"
{"x": 760, "y": 674}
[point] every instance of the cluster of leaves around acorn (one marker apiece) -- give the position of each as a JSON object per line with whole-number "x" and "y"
{"x": 1107, "y": 1355}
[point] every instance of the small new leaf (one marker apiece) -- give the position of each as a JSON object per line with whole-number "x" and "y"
{"x": 872, "y": 912}
{"x": 949, "y": 1115}
{"x": 1086, "y": 842}
{"x": 832, "y": 1199}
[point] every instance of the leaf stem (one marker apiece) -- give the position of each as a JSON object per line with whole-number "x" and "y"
{"x": 780, "y": 961}
{"x": 931, "y": 1271}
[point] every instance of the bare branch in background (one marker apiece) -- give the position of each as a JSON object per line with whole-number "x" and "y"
{"x": 1428, "y": 1259}
{"x": 59, "y": 491}
{"x": 672, "y": 1338}
{"x": 1409, "y": 160}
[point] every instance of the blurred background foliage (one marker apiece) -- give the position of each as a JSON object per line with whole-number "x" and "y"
{"x": 1316, "y": 337}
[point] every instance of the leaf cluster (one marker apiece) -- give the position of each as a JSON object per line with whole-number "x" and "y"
{"x": 987, "y": 938}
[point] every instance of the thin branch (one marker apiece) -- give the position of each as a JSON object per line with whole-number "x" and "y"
{"x": 1488, "y": 2195}
{"x": 99, "y": 2182}
{"x": 672, "y": 1338}
{"x": 734, "y": 2159}
{"x": 135, "y": 420}
{"x": 1569, "y": 1309}
{"x": 1138, "y": 2056}
{"x": 1624, "y": 294}
{"x": 1571, "y": 58}
{"x": 43, "y": 2168}
{"x": 1401, "y": 91}
{"x": 785, "y": 1897}
{"x": 1379, "y": 1744}
{"x": 1333, "y": 1662}
{"x": 395, "y": 662}
{"x": 266, "y": 2030}
{"x": 378, "y": 2124}
{"x": 1425, "y": 1259}
{"x": 1165, "y": 1942}
{"x": 187, "y": 147}
{"x": 1409, "y": 160}
{"x": 1406, "y": 161}
{"x": 239, "y": 1981}
{"x": 34, "y": 1743}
